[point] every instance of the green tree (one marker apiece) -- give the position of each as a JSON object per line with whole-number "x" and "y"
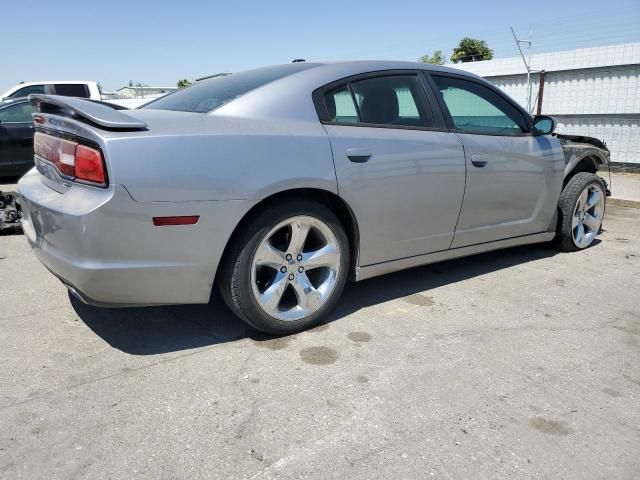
{"x": 471, "y": 50}
{"x": 435, "y": 59}
{"x": 183, "y": 83}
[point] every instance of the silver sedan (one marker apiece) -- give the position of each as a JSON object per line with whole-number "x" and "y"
{"x": 278, "y": 184}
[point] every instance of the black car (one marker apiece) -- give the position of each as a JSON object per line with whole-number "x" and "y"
{"x": 16, "y": 135}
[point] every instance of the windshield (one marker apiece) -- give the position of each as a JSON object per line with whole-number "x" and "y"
{"x": 207, "y": 95}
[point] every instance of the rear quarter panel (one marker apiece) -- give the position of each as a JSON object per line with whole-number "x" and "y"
{"x": 214, "y": 158}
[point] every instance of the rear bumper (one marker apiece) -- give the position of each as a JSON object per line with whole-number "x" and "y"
{"x": 103, "y": 245}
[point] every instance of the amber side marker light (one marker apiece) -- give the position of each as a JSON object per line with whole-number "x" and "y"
{"x": 168, "y": 221}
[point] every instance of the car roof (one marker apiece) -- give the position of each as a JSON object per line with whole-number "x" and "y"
{"x": 48, "y": 82}
{"x": 379, "y": 65}
{"x": 289, "y": 97}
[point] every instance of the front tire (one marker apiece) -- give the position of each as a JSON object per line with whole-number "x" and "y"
{"x": 286, "y": 268}
{"x": 581, "y": 209}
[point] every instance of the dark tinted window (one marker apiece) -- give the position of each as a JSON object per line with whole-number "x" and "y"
{"x": 24, "y": 91}
{"x": 210, "y": 94}
{"x": 71, "y": 90}
{"x": 478, "y": 109}
{"x": 19, "y": 113}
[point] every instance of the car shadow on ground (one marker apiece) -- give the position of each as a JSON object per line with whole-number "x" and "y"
{"x": 155, "y": 330}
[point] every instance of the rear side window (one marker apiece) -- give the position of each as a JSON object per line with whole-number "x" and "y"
{"x": 475, "y": 108}
{"x": 393, "y": 100}
{"x": 20, "y": 113}
{"x": 24, "y": 91}
{"x": 210, "y": 94}
{"x": 340, "y": 105}
{"x": 71, "y": 90}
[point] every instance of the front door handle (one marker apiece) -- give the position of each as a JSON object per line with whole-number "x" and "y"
{"x": 358, "y": 155}
{"x": 479, "y": 160}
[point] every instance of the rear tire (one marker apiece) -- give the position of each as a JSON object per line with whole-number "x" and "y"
{"x": 581, "y": 212}
{"x": 286, "y": 268}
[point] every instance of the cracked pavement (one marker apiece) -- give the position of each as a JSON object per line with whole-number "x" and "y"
{"x": 520, "y": 363}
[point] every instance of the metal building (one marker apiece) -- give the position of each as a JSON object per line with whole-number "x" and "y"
{"x": 591, "y": 91}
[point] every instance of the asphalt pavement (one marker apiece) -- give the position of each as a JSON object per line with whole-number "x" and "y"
{"x": 523, "y": 363}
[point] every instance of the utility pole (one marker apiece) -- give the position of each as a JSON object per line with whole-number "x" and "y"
{"x": 526, "y": 64}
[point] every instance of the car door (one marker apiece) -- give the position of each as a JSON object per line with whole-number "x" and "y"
{"x": 16, "y": 135}
{"x": 513, "y": 177}
{"x": 397, "y": 166}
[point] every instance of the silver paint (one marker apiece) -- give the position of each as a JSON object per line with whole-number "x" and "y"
{"x": 406, "y": 199}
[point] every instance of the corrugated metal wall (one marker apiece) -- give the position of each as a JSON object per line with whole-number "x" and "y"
{"x": 622, "y": 134}
{"x": 581, "y": 92}
{"x": 598, "y": 100}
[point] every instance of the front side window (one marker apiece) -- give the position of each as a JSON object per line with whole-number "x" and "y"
{"x": 393, "y": 100}
{"x": 72, "y": 90}
{"x": 24, "y": 91}
{"x": 20, "y": 113}
{"x": 475, "y": 108}
{"x": 207, "y": 95}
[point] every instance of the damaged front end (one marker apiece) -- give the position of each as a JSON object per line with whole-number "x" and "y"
{"x": 10, "y": 212}
{"x": 584, "y": 154}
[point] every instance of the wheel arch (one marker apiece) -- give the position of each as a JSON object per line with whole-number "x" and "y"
{"x": 590, "y": 162}
{"x": 329, "y": 199}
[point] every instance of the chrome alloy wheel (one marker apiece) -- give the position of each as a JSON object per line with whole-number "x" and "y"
{"x": 295, "y": 268}
{"x": 587, "y": 215}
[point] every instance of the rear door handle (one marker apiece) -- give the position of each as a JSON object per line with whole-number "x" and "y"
{"x": 479, "y": 160}
{"x": 358, "y": 155}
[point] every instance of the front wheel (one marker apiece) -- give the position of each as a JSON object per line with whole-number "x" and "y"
{"x": 581, "y": 208}
{"x": 287, "y": 267}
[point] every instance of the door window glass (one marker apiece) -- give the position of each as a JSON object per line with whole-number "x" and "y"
{"x": 391, "y": 100}
{"x": 475, "y": 108}
{"x": 20, "y": 113}
{"x": 24, "y": 91}
{"x": 340, "y": 106}
{"x": 71, "y": 90}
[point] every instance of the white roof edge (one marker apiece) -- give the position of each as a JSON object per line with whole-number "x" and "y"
{"x": 580, "y": 58}
{"x": 54, "y": 81}
{"x": 151, "y": 87}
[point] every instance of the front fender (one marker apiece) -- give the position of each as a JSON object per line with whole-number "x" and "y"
{"x": 575, "y": 154}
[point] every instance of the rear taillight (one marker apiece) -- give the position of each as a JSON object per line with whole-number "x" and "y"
{"x": 89, "y": 165}
{"x": 73, "y": 160}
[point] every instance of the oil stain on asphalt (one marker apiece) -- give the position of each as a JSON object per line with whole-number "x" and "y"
{"x": 612, "y": 392}
{"x": 551, "y": 427}
{"x": 318, "y": 355}
{"x": 359, "y": 337}
{"x": 419, "y": 299}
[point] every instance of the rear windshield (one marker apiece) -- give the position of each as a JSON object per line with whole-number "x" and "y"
{"x": 207, "y": 95}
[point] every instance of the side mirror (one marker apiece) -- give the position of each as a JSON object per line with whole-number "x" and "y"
{"x": 544, "y": 125}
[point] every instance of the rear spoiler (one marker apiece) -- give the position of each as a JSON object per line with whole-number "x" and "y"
{"x": 97, "y": 114}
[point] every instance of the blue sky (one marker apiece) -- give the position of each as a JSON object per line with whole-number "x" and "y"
{"x": 158, "y": 42}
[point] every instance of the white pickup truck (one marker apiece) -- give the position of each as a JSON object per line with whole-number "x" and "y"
{"x": 75, "y": 88}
